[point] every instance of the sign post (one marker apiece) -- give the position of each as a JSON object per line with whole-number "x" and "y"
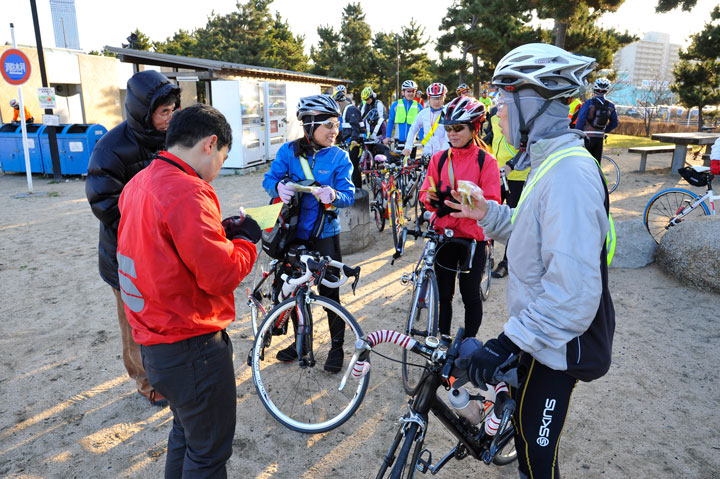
{"x": 15, "y": 69}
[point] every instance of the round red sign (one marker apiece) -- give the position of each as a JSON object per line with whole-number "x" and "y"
{"x": 15, "y": 66}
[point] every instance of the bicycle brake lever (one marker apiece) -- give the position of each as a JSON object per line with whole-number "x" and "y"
{"x": 362, "y": 351}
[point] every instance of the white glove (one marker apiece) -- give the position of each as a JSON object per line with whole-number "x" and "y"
{"x": 325, "y": 195}
{"x": 285, "y": 192}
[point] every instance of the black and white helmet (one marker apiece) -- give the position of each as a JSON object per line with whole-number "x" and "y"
{"x": 317, "y": 105}
{"x": 549, "y": 70}
{"x": 602, "y": 85}
{"x": 341, "y": 88}
{"x": 409, "y": 84}
{"x": 463, "y": 110}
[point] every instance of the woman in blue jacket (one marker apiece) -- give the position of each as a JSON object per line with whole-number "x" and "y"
{"x": 314, "y": 157}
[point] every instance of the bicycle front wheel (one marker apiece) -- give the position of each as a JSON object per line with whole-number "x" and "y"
{"x": 397, "y": 222}
{"x": 305, "y": 399}
{"x": 668, "y": 207}
{"x": 612, "y": 173}
{"x": 487, "y": 270}
{"x": 507, "y": 453}
{"x": 421, "y": 323}
{"x": 404, "y": 468}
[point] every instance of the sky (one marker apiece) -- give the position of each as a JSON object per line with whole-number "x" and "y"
{"x": 105, "y": 22}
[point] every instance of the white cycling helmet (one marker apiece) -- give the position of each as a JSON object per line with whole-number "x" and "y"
{"x": 317, "y": 105}
{"x": 341, "y": 88}
{"x": 409, "y": 84}
{"x": 549, "y": 70}
{"x": 13, "y": 103}
{"x": 602, "y": 85}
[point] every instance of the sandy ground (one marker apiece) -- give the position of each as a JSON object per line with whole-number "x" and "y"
{"x": 68, "y": 409}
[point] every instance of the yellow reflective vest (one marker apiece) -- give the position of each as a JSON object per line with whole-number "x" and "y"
{"x": 401, "y": 116}
{"x": 503, "y": 151}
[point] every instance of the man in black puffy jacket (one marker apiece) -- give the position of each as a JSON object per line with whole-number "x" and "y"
{"x": 117, "y": 157}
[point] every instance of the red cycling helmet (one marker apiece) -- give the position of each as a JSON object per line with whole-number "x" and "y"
{"x": 436, "y": 89}
{"x": 464, "y": 110}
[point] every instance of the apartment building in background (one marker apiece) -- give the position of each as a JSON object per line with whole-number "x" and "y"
{"x": 65, "y": 24}
{"x": 647, "y": 61}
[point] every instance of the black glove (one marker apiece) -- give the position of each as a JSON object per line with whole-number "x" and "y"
{"x": 486, "y": 360}
{"x": 242, "y": 227}
{"x": 442, "y": 208}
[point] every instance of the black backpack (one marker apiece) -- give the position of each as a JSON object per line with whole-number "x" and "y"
{"x": 600, "y": 115}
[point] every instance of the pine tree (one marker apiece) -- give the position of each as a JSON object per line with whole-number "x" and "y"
{"x": 565, "y": 13}
{"x": 326, "y": 57}
{"x": 697, "y": 75}
{"x": 355, "y": 51}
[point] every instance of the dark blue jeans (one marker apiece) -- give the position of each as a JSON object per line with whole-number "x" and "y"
{"x": 197, "y": 377}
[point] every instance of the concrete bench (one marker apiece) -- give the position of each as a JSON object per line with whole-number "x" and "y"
{"x": 649, "y": 150}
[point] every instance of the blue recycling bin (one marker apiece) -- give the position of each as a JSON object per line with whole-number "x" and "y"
{"x": 45, "y": 148}
{"x": 75, "y": 145}
{"x": 12, "y": 154}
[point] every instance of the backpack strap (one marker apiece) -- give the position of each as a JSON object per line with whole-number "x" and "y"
{"x": 444, "y": 157}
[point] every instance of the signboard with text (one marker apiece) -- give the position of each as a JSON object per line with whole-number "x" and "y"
{"x": 46, "y": 98}
{"x": 15, "y": 66}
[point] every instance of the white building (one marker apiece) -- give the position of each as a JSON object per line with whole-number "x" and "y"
{"x": 648, "y": 60}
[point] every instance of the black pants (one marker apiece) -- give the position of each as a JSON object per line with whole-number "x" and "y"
{"x": 542, "y": 402}
{"x": 511, "y": 199}
{"x": 355, "y": 160}
{"x": 447, "y": 260}
{"x": 331, "y": 247}
{"x": 594, "y": 144}
{"x": 197, "y": 377}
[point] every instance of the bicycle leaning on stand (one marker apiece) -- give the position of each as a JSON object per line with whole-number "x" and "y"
{"x": 673, "y": 206}
{"x": 301, "y": 395}
{"x": 486, "y": 434}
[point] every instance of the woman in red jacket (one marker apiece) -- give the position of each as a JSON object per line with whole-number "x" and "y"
{"x": 467, "y": 159}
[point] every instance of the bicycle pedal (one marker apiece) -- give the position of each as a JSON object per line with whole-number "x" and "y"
{"x": 406, "y": 278}
{"x": 423, "y": 464}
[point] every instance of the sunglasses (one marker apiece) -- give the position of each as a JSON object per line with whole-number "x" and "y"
{"x": 329, "y": 124}
{"x": 455, "y": 128}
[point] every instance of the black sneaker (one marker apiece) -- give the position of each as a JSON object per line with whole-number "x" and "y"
{"x": 288, "y": 354}
{"x": 501, "y": 271}
{"x": 334, "y": 361}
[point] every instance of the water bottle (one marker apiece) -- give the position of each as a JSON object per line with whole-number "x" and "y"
{"x": 492, "y": 423}
{"x": 460, "y": 400}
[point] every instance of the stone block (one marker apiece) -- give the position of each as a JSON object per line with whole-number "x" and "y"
{"x": 635, "y": 248}
{"x": 355, "y": 226}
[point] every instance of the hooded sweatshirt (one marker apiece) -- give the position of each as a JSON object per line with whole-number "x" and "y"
{"x": 559, "y": 305}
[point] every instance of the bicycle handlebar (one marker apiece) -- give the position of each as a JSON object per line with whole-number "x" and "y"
{"x": 312, "y": 267}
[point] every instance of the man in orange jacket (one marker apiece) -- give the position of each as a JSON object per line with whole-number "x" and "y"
{"x": 178, "y": 265}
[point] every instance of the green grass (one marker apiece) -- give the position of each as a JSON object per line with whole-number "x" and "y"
{"x": 627, "y": 141}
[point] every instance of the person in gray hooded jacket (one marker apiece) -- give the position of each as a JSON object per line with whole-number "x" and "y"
{"x": 561, "y": 317}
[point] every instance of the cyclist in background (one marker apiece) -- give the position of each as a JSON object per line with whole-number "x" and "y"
{"x": 504, "y": 152}
{"x": 463, "y": 90}
{"x": 374, "y": 123}
{"x": 466, "y": 159}
{"x": 597, "y": 117}
{"x": 419, "y": 98}
{"x": 371, "y": 102}
{"x": 428, "y": 120}
{"x": 350, "y": 130}
{"x": 402, "y": 115}
{"x": 486, "y": 100}
{"x": 340, "y": 89}
{"x": 574, "y": 105}
{"x": 561, "y": 317}
{"x": 315, "y": 158}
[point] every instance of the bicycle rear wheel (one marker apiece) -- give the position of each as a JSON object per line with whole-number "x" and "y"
{"x": 305, "y": 399}
{"x": 611, "y": 171}
{"x": 487, "y": 270}
{"x": 667, "y": 206}
{"x": 422, "y": 321}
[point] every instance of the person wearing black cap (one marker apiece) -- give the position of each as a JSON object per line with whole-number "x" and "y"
{"x": 117, "y": 157}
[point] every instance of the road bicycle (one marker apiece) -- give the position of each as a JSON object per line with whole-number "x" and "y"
{"x": 422, "y": 320}
{"x": 673, "y": 206}
{"x": 473, "y": 440}
{"x": 387, "y": 201}
{"x": 301, "y": 395}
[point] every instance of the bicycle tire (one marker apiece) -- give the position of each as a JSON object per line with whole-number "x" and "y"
{"x": 379, "y": 215}
{"x": 486, "y": 277}
{"x": 612, "y": 173}
{"x": 665, "y": 206}
{"x": 396, "y": 221}
{"x": 422, "y": 321}
{"x": 402, "y": 468}
{"x": 306, "y": 399}
{"x": 507, "y": 453}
